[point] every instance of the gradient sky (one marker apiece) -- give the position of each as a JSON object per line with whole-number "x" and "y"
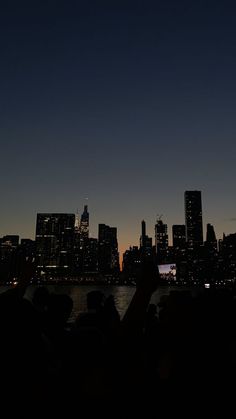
{"x": 128, "y": 103}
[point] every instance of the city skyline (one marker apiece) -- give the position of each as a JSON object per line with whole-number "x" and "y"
{"x": 149, "y": 226}
{"x": 64, "y": 249}
{"x": 127, "y": 104}
{"x": 118, "y": 207}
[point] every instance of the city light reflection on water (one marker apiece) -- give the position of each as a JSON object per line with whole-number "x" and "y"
{"x": 122, "y": 295}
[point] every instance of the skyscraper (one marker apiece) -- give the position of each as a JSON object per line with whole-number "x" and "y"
{"x": 145, "y": 241}
{"x": 178, "y": 236}
{"x": 108, "y": 256}
{"x": 143, "y": 236}
{"x": 210, "y": 236}
{"x": 8, "y": 257}
{"x": 132, "y": 261}
{"x": 84, "y": 223}
{"x": 227, "y": 250}
{"x": 193, "y": 218}
{"x": 90, "y": 255}
{"x": 81, "y": 243}
{"x": 54, "y": 243}
{"x": 161, "y": 236}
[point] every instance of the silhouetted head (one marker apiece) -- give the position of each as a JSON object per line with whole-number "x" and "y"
{"x": 40, "y": 298}
{"x": 95, "y": 300}
{"x": 109, "y": 302}
{"x": 59, "y": 308}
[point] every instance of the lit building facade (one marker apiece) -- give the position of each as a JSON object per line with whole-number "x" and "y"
{"x": 108, "y": 256}
{"x": 54, "y": 244}
{"x": 178, "y": 236}
{"x": 193, "y": 218}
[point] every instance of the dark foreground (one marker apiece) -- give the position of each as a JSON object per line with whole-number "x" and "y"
{"x": 179, "y": 362}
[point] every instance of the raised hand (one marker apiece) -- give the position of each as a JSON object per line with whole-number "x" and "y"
{"x": 26, "y": 273}
{"x": 147, "y": 283}
{"x": 149, "y": 277}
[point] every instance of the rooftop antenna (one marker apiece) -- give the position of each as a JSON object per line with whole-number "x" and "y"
{"x": 86, "y": 202}
{"x": 77, "y": 218}
{"x": 159, "y": 217}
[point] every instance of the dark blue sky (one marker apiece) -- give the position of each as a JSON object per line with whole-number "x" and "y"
{"x": 126, "y": 103}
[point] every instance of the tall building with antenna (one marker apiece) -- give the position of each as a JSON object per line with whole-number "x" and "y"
{"x": 84, "y": 223}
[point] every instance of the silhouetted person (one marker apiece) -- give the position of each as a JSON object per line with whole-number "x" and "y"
{"x": 40, "y": 299}
{"x": 24, "y": 368}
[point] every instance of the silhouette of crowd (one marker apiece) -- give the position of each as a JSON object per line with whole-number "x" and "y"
{"x": 180, "y": 358}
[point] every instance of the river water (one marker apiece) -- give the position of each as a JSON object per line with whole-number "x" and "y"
{"x": 122, "y": 295}
{"x": 78, "y": 293}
